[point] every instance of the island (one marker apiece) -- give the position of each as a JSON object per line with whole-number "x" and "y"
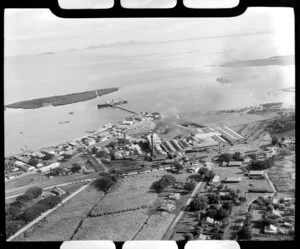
{"x": 61, "y": 99}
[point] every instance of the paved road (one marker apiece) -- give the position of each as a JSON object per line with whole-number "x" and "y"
{"x": 169, "y": 231}
{"x": 20, "y": 190}
{"x": 46, "y": 213}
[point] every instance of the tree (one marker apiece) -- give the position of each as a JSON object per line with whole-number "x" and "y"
{"x": 227, "y": 206}
{"x": 49, "y": 156}
{"x": 178, "y": 166}
{"x": 33, "y": 161}
{"x": 221, "y": 214}
{"x": 203, "y": 171}
{"x": 158, "y": 186}
{"x": 209, "y": 175}
{"x": 198, "y": 204}
{"x": 76, "y": 167}
{"x": 188, "y": 236}
{"x": 169, "y": 179}
{"x": 57, "y": 171}
{"x": 213, "y": 198}
{"x": 94, "y": 150}
{"x": 242, "y": 199}
{"x": 227, "y": 157}
{"x": 212, "y": 213}
{"x": 104, "y": 183}
{"x": 189, "y": 186}
{"x": 275, "y": 140}
{"x": 24, "y": 198}
{"x": 237, "y": 156}
{"x": 245, "y": 233}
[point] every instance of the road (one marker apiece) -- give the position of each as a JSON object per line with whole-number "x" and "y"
{"x": 169, "y": 232}
{"x": 46, "y": 213}
{"x": 49, "y": 184}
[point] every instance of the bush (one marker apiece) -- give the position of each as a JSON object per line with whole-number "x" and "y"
{"x": 57, "y": 171}
{"x": 24, "y": 198}
{"x": 34, "y": 192}
{"x": 13, "y": 226}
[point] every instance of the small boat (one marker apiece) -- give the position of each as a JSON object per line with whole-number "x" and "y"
{"x": 71, "y": 113}
{"x": 66, "y": 122}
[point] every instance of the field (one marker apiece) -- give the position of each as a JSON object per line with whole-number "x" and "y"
{"x": 155, "y": 227}
{"x": 61, "y": 224}
{"x": 117, "y": 227}
{"x": 132, "y": 192}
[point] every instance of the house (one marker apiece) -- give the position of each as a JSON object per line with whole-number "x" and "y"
{"x": 216, "y": 179}
{"x": 224, "y": 164}
{"x": 256, "y": 174}
{"x": 58, "y": 191}
{"x": 210, "y": 220}
{"x": 31, "y": 169}
{"x": 49, "y": 167}
{"x": 232, "y": 179}
{"x": 276, "y": 213}
{"x": 167, "y": 207}
{"x": 174, "y": 196}
{"x": 271, "y": 229}
{"x": 235, "y": 164}
{"x": 47, "y": 194}
{"x": 288, "y": 225}
{"x": 203, "y": 237}
{"x": 49, "y": 152}
{"x": 37, "y": 154}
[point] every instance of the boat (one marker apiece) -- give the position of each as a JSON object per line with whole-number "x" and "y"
{"x": 112, "y": 103}
{"x": 71, "y": 113}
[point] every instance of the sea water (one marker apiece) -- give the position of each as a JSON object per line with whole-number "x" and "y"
{"x": 169, "y": 78}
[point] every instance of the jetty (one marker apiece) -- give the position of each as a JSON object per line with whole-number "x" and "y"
{"x": 116, "y": 104}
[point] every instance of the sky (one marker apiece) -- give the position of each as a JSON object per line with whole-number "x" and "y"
{"x": 35, "y": 31}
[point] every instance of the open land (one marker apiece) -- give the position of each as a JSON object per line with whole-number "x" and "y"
{"x": 131, "y": 209}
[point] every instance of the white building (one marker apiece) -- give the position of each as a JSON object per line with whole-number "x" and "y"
{"x": 49, "y": 167}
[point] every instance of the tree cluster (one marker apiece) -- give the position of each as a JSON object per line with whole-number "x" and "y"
{"x": 261, "y": 165}
{"x": 164, "y": 182}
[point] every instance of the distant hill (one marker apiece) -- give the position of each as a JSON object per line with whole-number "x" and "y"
{"x": 275, "y": 60}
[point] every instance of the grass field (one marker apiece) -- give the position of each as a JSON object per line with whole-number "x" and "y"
{"x": 61, "y": 224}
{"x": 131, "y": 193}
{"x": 117, "y": 227}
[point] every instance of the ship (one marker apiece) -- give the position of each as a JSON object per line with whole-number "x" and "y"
{"x": 112, "y": 103}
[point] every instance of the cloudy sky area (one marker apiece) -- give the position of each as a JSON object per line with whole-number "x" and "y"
{"x": 35, "y": 31}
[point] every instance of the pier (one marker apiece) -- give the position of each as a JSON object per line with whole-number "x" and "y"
{"x": 124, "y": 109}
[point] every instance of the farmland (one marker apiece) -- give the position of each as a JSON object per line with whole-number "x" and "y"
{"x": 155, "y": 227}
{"x": 131, "y": 193}
{"x": 117, "y": 227}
